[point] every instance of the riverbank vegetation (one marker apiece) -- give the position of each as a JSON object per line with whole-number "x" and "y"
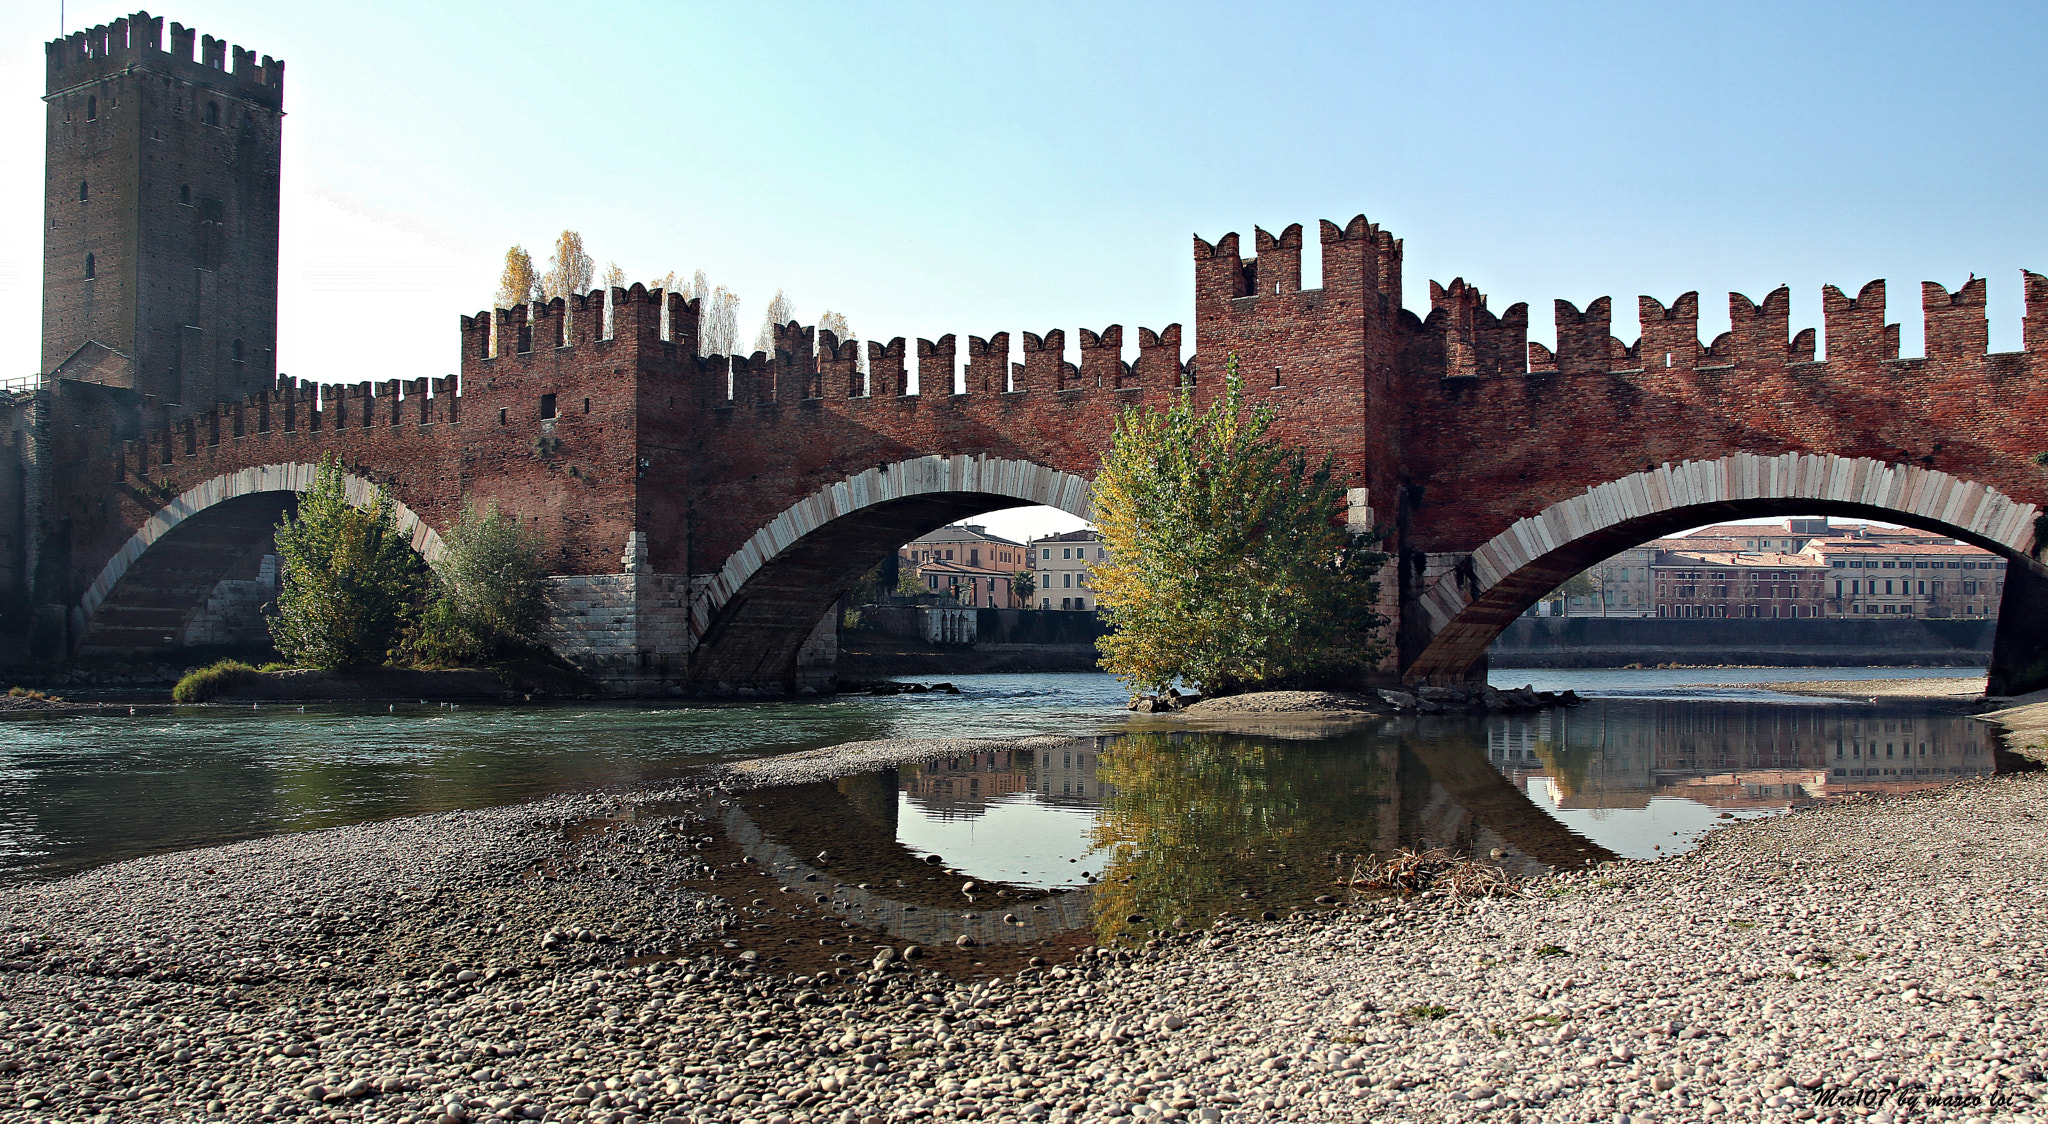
{"x": 1230, "y": 567}
{"x": 349, "y": 581}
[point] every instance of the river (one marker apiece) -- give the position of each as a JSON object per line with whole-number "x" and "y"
{"x": 1640, "y": 771}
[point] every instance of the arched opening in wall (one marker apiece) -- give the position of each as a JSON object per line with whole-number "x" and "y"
{"x": 769, "y": 612}
{"x": 91, "y": 267}
{"x": 1747, "y": 581}
{"x": 205, "y": 583}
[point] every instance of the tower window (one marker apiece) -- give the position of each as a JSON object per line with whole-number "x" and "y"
{"x": 547, "y": 405}
{"x": 92, "y": 109}
{"x": 212, "y": 113}
{"x": 89, "y": 267}
{"x": 81, "y": 191}
{"x": 185, "y": 194}
{"x": 238, "y": 351}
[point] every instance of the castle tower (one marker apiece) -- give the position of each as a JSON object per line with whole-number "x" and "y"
{"x": 161, "y": 214}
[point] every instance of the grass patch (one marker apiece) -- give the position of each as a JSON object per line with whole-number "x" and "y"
{"x": 1546, "y": 1020}
{"x": 1742, "y": 924}
{"x": 212, "y": 680}
{"x": 1430, "y": 1011}
{"x": 1550, "y": 950}
{"x": 31, "y": 694}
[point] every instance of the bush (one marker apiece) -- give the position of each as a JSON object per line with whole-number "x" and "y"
{"x": 489, "y": 591}
{"x": 213, "y": 680}
{"x": 349, "y": 580}
{"x": 1230, "y": 567}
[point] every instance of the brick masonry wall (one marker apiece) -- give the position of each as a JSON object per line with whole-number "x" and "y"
{"x": 1448, "y": 428}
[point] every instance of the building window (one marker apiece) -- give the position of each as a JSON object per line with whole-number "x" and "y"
{"x": 547, "y": 406}
{"x": 185, "y": 194}
{"x": 81, "y": 191}
{"x": 501, "y": 414}
{"x": 90, "y": 268}
{"x": 92, "y": 109}
{"x": 586, "y": 405}
{"x": 238, "y": 351}
{"x": 212, "y": 116}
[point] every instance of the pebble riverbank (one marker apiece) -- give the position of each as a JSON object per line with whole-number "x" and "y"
{"x": 493, "y": 965}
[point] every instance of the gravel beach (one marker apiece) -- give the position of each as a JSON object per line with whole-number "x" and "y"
{"x": 1878, "y": 959}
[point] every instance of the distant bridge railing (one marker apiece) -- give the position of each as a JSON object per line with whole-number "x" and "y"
{"x": 21, "y": 385}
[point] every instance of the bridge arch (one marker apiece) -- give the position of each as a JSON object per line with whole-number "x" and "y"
{"x": 234, "y": 505}
{"x": 1466, "y": 607}
{"x": 750, "y": 619}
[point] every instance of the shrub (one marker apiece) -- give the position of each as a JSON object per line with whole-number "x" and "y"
{"x": 212, "y": 680}
{"x": 489, "y": 591}
{"x": 349, "y": 580}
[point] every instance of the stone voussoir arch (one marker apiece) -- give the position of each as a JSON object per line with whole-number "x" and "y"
{"x": 296, "y": 477}
{"x": 1496, "y": 583}
{"x": 1025, "y": 481}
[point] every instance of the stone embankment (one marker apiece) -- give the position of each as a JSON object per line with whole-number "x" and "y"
{"x": 494, "y": 966}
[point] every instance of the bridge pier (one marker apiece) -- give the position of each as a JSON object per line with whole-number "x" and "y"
{"x": 2019, "y": 654}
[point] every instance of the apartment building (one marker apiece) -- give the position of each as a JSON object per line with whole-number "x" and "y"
{"x": 1063, "y": 564}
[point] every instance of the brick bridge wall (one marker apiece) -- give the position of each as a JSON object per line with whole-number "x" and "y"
{"x": 659, "y": 470}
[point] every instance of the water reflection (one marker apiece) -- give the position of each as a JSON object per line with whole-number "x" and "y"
{"x": 1126, "y": 834}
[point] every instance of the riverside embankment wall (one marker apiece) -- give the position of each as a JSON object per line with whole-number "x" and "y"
{"x": 1616, "y": 642}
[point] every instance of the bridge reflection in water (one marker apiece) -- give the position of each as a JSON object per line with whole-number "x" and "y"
{"x": 1194, "y": 825}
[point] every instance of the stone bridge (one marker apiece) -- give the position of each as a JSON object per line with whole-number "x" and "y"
{"x": 702, "y": 514}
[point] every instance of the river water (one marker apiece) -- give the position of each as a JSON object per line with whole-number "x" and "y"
{"x": 1640, "y": 771}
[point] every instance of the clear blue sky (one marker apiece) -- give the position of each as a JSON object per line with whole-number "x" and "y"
{"x": 973, "y": 168}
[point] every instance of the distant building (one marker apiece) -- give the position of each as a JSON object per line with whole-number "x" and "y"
{"x": 1063, "y": 564}
{"x": 968, "y": 544}
{"x": 967, "y": 563}
{"x": 1697, "y": 583}
{"x": 1933, "y": 579}
{"x": 1796, "y": 569}
{"x": 972, "y": 585}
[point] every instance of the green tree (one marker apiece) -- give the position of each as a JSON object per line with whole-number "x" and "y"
{"x": 1581, "y": 584}
{"x": 350, "y": 582}
{"x": 489, "y": 590}
{"x": 910, "y": 583}
{"x": 1230, "y": 567}
{"x": 1023, "y": 585}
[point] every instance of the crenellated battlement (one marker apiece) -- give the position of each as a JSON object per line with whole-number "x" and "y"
{"x": 1358, "y": 259}
{"x": 138, "y": 41}
{"x": 1460, "y": 339}
{"x": 291, "y": 409}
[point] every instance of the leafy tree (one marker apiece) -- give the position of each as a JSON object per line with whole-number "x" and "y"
{"x": 349, "y": 578}
{"x": 1229, "y": 565}
{"x": 718, "y": 323}
{"x": 780, "y": 311}
{"x": 910, "y": 583}
{"x": 489, "y": 590}
{"x": 517, "y": 283}
{"x": 569, "y": 270}
{"x": 1581, "y": 584}
{"x": 1023, "y": 585}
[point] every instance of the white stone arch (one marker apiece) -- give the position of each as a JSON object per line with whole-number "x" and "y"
{"x": 1974, "y": 512}
{"x": 249, "y": 481}
{"x": 1026, "y": 481}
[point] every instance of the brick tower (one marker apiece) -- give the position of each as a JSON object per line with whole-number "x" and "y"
{"x": 161, "y": 215}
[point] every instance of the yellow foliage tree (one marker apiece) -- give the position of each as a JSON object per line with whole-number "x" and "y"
{"x": 1230, "y": 566}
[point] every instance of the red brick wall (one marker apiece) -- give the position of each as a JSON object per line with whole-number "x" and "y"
{"x": 1457, "y": 424}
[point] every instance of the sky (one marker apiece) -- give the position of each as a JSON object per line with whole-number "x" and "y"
{"x": 975, "y": 168}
